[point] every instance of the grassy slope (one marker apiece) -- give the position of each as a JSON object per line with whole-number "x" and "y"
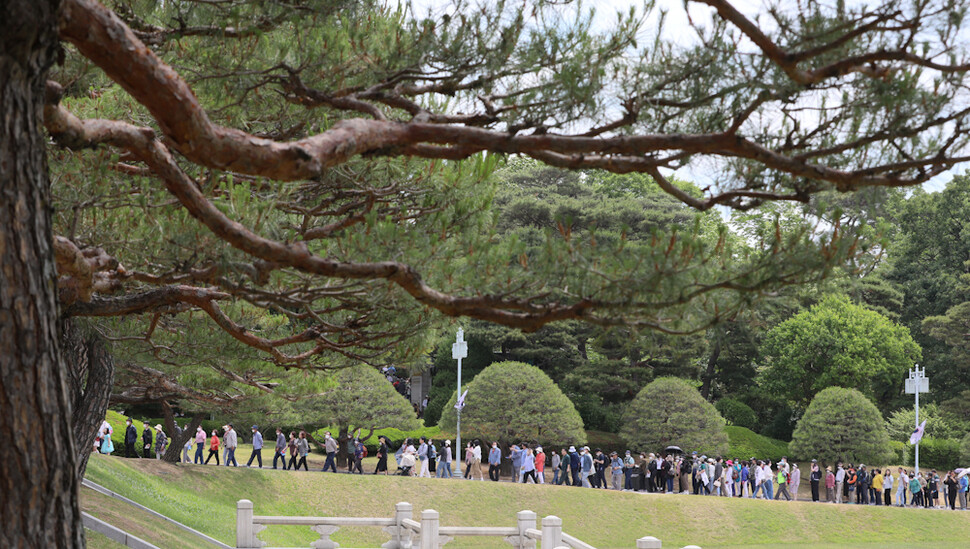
{"x": 204, "y": 498}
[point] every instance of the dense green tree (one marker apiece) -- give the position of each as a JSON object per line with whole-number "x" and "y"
{"x": 671, "y": 411}
{"x": 837, "y": 343}
{"x": 841, "y": 425}
{"x": 900, "y": 424}
{"x": 359, "y": 401}
{"x": 512, "y": 401}
{"x": 930, "y": 261}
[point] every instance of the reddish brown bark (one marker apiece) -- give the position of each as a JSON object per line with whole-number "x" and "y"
{"x": 38, "y": 482}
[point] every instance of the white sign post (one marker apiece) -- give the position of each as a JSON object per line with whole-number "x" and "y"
{"x": 917, "y": 383}
{"x": 459, "y": 350}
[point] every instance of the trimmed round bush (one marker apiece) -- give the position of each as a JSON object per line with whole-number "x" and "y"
{"x": 737, "y": 413}
{"x": 513, "y": 401}
{"x": 842, "y": 425}
{"x": 670, "y": 411}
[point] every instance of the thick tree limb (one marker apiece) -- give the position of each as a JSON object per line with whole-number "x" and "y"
{"x": 103, "y": 38}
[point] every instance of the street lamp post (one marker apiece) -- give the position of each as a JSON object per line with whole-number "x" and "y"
{"x": 917, "y": 383}
{"x": 459, "y": 350}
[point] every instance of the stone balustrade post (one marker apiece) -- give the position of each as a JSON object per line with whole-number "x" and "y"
{"x": 648, "y": 542}
{"x": 245, "y": 529}
{"x": 525, "y": 520}
{"x": 429, "y": 529}
{"x": 551, "y": 531}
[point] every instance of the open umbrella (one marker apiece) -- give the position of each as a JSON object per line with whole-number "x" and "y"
{"x": 963, "y": 472}
{"x": 673, "y": 449}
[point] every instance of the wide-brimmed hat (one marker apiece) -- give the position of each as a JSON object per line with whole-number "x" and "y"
{"x": 572, "y": 449}
{"x": 158, "y": 427}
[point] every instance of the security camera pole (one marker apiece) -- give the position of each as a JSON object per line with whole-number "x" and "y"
{"x": 459, "y": 350}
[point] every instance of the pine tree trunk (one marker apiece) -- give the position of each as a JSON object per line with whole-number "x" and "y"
{"x": 90, "y": 371}
{"x": 177, "y": 438}
{"x": 39, "y": 502}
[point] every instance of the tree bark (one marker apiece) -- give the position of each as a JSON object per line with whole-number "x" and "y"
{"x": 90, "y": 372}
{"x": 711, "y": 371}
{"x": 39, "y": 506}
{"x": 177, "y": 439}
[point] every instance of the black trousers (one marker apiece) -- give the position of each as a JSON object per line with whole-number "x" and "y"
{"x": 258, "y": 456}
{"x": 130, "y": 450}
{"x": 278, "y": 455}
{"x": 212, "y": 453}
{"x": 530, "y": 474}
{"x": 814, "y": 490}
{"x": 888, "y": 499}
{"x": 147, "y": 451}
{"x": 493, "y": 472}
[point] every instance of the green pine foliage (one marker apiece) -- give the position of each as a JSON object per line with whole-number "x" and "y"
{"x": 513, "y": 401}
{"x": 745, "y": 443}
{"x": 841, "y": 425}
{"x": 670, "y": 411}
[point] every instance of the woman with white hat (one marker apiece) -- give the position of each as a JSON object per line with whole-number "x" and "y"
{"x": 160, "y": 441}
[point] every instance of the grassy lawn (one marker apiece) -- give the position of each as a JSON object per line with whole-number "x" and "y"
{"x": 204, "y": 498}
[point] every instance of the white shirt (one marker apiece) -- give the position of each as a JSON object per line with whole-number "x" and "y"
{"x": 477, "y": 453}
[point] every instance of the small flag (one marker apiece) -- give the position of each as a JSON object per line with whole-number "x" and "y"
{"x": 918, "y": 433}
{"x": 461, "y": 401}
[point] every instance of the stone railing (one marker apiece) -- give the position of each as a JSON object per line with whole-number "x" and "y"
{"x": 426, "y": 533}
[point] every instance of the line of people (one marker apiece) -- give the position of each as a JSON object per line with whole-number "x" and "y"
{"x": 660, "y": 472}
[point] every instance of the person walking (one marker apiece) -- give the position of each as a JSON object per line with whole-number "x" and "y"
{"x": 528, "y": 465}
{"x": 951, "y": 490}
{"x": 575, "y": 466}
{"x": 257, "y": 448}
{"x": 839, "y": 481}
{"x": 556, "y": 460}
{"x": 477, "y": 460}
{"x": 358, "y": 457}
{"x": 131, "y": 438}
{"x": 199, "y": 444}
{"x": 423, "y": 458}
{"x": 515, "y": 456}
{"x": 279, "y": 451}
{"x": 444, "y": 467}
{"x": 213, "y": 448}
{"x": 782, "y": 484}
{"x": 768, "y": 479}
{"x": 540, "y": 465}
{"x": 815, "y": 478}
{"x": 494, "y": 462}
{"x": 382, "y": 450}
{"x": 616, "y": 468}
{"x": 302, "y": 450}
{"x": 331, "y": 446}
{"x": 887, "y": 485}
{"x": 628, "y": 464}
{"x": 901, "y": 488}
{"x": 599, "y": 465}
{"x": 230, "y": 441}
{"x": 875, "y": 487}
{"x": 432, "y": 458}
{"x": 586, "y": 467}
{"x": 146, "y": 441}
{"x": 830, "y": 485}
{"x": 160, "y": 441}
{"x": 563, "y": 468}
{"x": 291, "y": 446}
{"x": 964, "y": 484}
{"x": 106, "y": 445}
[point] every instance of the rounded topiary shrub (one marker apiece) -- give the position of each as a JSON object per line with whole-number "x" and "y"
{"x": 670, "y": 411}
{"x": 842, "y": 425}
{"x": 737, "y": 413}
{"x": 513, "y": 401}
